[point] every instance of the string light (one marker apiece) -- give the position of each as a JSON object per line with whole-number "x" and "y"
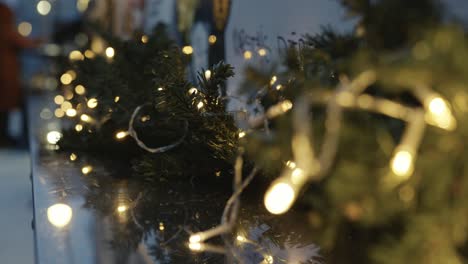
{"x": 279, "y": 198}
{"x": 241, "y": 238}
{"x": 187, "y": 50}
{"x": 78, "y": 127}
{"x": 76, "y": 55}
{"x": 66, "y": 105}
{"x": 268, "y": 259}
{"x": 247, "y": 54}
{"x": 262, "y": 52}
{"x": 53, "y": 137}
{"x": 195, "y": 239}
{"x": 208, "y": 74}
{"x": 291, "y": 164}
{"x": 273, "y": 80}
{"x": 242, "y": 134}
{"x": 73, "y": 157}
{"x": 71, "y": 112}
{"x": 110, "y": 52}
{"x": 24, "y": 28}
{"x": 196, "y": 246}
{"x": 212, "y": 39}
{"x": 144, "y": 39}
{"x": 59, "y": 99}
{"x": 66, "y": 79}
{"x": 85, "y": 118}
{"x": 59, "y": 215}
{"x": 43, "y": 7}
{"x": 117, "y": 99}
{"x": 59, "y": 113}
{"x": 200, "y": 105}
{"x": 161, "y": 226}
{"x": 80, "y": 89}
{"x": 87, "y": 169}
{"x": 122, "y": 208}
{"x": 439, "y": 113}
{"x": 402, "y": 163}
{"x": 278, "y": 87}
{"x": 121, "y": 134}
{"x": 160, "y": 89}
{"x": 193, "y": 91}
{"x": 89, "y": 54}
{"x": 92, "y": 103}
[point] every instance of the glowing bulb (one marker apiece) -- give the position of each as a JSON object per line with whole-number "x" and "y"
{"x": 78, "y": 127}
{"x": 291, "y": 164}
{"x": 268, "y": 259}
{"x": 73, "y": 157}
{"x": 59, "y": 214}
{"x": 286, "y": 105}
{"x": 76, "y": 55}
{"x": 86, "y": 169}
{"x": 160, "y": 89}
{"x": 242, "y": 134}
{"x": 79, "y": 89}
{"x": 110, "y": 52}
{"x": 121, "y": 134}
{"x": 208, "y": 74}
{"x": 200, "y": 105}
{"x": 144, "y": 39}
{"x": 262, "y": 52}
{"x": 241, "y": 238}
{"x": 161, "y": 226}
{"x": 59, "y": 112}
{"x": 247, "y": 54}
{"x": 43, "y": 7}
{"x": 66, "y": 79}
{"x": 25, "y": 29}
{"x": 195, "y": 246}
{"x": 117, "y": 99}
{"x": 53, "y": 137}
{"x": 121, "y": 208}
{"x": 71, "y": 112}
{"x": 193, "y": 91}
{"x": 297, "y": 176}
{"x": 278, "y": 87}
{"x": 212, "y": 39}
{"x": 279, "y": 198}
{"x": 89, "y": 54}
{"x": 59, "y": 99}
{"x": 273, "y": 80}
{"x": 66, "y": 105}
{"x": 85, "y": 118}
{"x": 92, "y": 103}
{"x": 187, "y": 50}
{"x": 195, "y": 239}
{"x": 440, "y": 114}
{"x": 402, "y": 163}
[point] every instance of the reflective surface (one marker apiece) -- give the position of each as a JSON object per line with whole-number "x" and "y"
{"x": 90, "y": 210}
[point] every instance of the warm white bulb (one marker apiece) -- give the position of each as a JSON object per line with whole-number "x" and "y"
{"x": 279, "y": 198}
{"x": 273, "y": 80}
{"x": 110, "y": 52}
{"x": 92, "y": 103}
{"x": 59, "y": 214}
{"x": 200, "y": 105}
{"x": 440, "y": 114}
{"x": 242, "y": 134}
{"x": 79, "y": 89}
{"x": 402, "y": 163}
{"x": 196, "y": 246}
{"x": 43, "y": 7}
{"x": 121, "y": 134}
{"x": 86, "y": 169}
{"x": 73, "y": 157}
{"x": 193, "y": 91}
{"x": 208, "y": 74}
{"x": 78, "y": 127}
{"x": 195, "y": 238}
{"x": 121, "y": 208}
{"x": 241, "y": 238}
{"x": 85, "y": 118}
{"x": 53, "y": 137}
{"x": 76, "y": 55}
{"x": 187, "y": 50}
{"x": 70, "y": 112}
{"x": 66, "y": 78}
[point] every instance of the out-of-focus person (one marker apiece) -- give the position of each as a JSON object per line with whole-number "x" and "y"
{"x": 11, "y": 42}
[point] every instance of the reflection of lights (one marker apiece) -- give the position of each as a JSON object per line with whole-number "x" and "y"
{"x": 43, "y": 7}
{"x": 200, "y": 105}
{"x": 241, "y": 134}
{"x": 85, "y": 118}
{"x": 279, "y": 198}
{"x": 59, "y": 99}
{"x": 121, "y": 134}
{"x": 78, "y": 127}
{"x": 53, "y": 137}
{"x": 247, "y": 54}
{"x": 187, "y": 50}
{"x": 212, "y": 39}
{"x": 208, "y": 74}
{"x": 71, "y": 112}
{"x": 92, "y": 103}
{"x": 66, "y": 78}
{"x": 59, "y": 214}
{"x": 79, "y": 89}
{"x": 193, "y": 91}
{"x": 144, "y": 39}
{"x": 122, "y": 208}
{"x": 402, "y": 163}
{"x": 73, "y": 157}
{"x": 86, "y": 169}
{"x": 25, "y": 29}
{"x": 110, "y": 52}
